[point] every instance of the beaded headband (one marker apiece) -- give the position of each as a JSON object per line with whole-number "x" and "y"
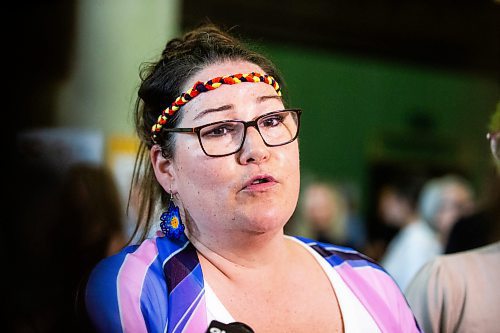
{"x": 200, "y": 87}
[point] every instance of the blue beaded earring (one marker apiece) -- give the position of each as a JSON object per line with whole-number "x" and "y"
{"x": 171, "y": 224}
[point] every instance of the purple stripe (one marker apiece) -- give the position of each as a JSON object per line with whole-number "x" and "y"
{"x": 179, "y": 266}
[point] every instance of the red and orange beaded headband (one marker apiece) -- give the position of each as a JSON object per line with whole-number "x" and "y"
{"x": 200, "y": 87}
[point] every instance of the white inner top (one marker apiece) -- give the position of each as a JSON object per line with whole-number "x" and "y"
{"x": 356, "y": 317}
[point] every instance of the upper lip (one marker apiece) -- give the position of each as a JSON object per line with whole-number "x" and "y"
{"x": 267, "y": 177}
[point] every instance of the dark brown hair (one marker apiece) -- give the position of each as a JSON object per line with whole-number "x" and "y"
{"x": 181, "y": 59}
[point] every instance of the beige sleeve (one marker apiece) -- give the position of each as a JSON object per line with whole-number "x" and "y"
{"x": 436, "y": 296}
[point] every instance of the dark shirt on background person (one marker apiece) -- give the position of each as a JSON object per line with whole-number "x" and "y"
{"x": 479, "y": 228}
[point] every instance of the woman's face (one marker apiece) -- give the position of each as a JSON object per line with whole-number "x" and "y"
{"x": 252, "y": 191}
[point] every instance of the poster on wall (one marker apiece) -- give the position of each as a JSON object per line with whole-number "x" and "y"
{"x": 120, "y": 158}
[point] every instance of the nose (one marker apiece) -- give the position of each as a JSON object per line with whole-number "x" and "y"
{"x": 254, "y": 150}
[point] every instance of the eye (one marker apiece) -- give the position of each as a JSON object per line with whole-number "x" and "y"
{"x": 272, "y": 120}
{"x": 218, "y": 130}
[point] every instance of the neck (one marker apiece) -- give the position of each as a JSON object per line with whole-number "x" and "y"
{"x": 242, "y": 253}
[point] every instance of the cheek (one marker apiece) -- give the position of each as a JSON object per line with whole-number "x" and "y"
{"x": 289, "y": 171}
{"x": 290, "y": 161}
{"x": 201, "y": 176}
{"x": 191, "y": 162}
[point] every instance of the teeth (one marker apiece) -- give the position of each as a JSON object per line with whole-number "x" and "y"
{"x": 260, "y": 181}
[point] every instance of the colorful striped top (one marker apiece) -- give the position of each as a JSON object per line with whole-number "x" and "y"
{"x": 158, "y": 286}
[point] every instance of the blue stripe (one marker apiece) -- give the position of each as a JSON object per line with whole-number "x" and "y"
{"x": 101, "y": 295}
{"x": 153, "y": 302}
{"x": 337, "y": 255}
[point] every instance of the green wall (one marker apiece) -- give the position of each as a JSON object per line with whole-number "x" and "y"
{"x": 351, "y": 104}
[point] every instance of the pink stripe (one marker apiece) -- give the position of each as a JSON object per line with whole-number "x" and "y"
{"x": 198, "y": 321}
{"x": 366, "y": 293}
{"x": 130, "y": 281}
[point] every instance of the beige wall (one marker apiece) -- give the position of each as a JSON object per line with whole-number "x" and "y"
{"x": 113, "y": 38}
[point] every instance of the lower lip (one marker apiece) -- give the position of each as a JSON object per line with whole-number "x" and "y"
{"x": 260, "y": 186}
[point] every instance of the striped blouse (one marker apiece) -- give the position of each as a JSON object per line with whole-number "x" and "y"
{"x": 158, "y": 286}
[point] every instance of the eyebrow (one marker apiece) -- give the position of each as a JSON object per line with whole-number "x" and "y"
{"x": 220, "y": 108}
{"x": 265, "y": 98}
{"x": 226, "y": 107}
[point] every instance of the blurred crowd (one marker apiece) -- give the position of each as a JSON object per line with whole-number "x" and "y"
{"x": 428, "y": 216}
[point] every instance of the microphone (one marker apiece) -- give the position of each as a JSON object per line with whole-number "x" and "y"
{"x": 236, "y": 327}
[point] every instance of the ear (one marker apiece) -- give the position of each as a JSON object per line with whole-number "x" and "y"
{"x": 163, "y": 168}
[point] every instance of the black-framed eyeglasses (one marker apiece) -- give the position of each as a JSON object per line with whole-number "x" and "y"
{"x": 494, "y": 139}
{"x": 226, "y": 137}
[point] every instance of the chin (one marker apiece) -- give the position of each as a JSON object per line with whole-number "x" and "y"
{"x": 268, "y": 221}
{"x": 260, "y": 229}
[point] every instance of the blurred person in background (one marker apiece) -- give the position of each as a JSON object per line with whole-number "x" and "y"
{"x": 74, "y": 219}
{"x": 397, "y": 207}
{"x": 459, "y": 292}
{"x": 444, "y": 200}
{"x": 328, "y": 213}
{"x": 479, "y": 228}
{"x": 355, "y": 229}
{"x": 91, "y": 228}
{"x": 441, "y": 202}
{"x": 323, "y": 213}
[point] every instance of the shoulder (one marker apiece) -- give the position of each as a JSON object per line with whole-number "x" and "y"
{"x": 122, "y": 285}
{"x": 437, "y": 293}
{"x": 441, "y": 281}
{"x": 370, "y": 284}
{"x": 448, "y": 291}
{"x": 463, "y": 265}
{"x": 355, "y": 268}
{"x": 101, "y": 296}
{"x": 413, "y": 246}
{"x": 420, "y": 232}
{"x": 131, "y": 258}
{"x": 337, "y": 255}
{"x": 438, "y": 271}
{"x": 463, "y": 261}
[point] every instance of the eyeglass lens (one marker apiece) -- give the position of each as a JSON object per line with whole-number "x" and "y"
{"x": 495, "y": 144}
{"x": 223, "y": 138}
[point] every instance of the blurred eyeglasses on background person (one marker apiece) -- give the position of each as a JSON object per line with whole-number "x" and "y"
{"x": 494, "y": 139}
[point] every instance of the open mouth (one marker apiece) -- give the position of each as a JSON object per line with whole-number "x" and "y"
{"x": 261, "y": 181}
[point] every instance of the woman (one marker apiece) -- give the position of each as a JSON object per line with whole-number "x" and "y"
{"x": 219, "y": 146}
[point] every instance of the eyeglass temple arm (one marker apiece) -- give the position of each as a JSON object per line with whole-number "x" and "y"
{"x": 185, "y": 130}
